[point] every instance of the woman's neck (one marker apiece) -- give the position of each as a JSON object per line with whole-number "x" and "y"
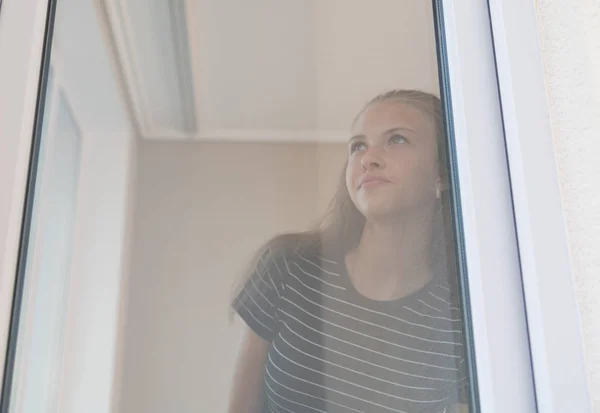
{"x": 393, "y": 257}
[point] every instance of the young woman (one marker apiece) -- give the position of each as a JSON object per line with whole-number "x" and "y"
{"x": 359, "y": 315}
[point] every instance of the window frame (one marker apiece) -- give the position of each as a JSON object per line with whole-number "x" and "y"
{"x": 59, "y": 100}
{"x": 25, "y": 30}
{"x": 555, "y": 330}
{"x": 495, "y": 78}
{"x": 490, "y": 256}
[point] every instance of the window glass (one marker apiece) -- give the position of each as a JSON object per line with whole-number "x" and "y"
{"x": 244, "y": 206}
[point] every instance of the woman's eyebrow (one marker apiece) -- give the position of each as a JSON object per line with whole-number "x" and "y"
{"x": 355, "y": 137}
{"x": 400, "y": 128}
{"x": 387, "y": 132}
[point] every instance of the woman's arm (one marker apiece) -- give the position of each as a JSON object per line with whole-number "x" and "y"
{"x": 247, "y": 387}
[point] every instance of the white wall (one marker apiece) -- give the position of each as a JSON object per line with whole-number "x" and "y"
{"x": 570, "y": 41}
{"x": 201, "y": 211}
{"x": 97, "y": 271}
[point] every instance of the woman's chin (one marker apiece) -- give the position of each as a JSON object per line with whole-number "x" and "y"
{"x": 383, "y": 208}
{"x": 379, "y": 211}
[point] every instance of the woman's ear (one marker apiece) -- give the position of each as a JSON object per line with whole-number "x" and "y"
{"x": 441, "y": 186}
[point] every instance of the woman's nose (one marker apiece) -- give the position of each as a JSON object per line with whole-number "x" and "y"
{"x": 372, "y": 159}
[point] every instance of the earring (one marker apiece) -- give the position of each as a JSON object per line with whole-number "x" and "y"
{"x": 438, "y": 192}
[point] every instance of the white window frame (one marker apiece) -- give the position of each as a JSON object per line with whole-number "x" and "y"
{"x": 549, "y": 289}
{"x": 60, "y": 99}
{"x": 22, "y": 32}
{"x": 507, "y": 310}
{"x": 501, "y": 347}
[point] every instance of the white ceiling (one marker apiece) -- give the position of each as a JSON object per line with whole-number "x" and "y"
{"x": 266, "y": 69}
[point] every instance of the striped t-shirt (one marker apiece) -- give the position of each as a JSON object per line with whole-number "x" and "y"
{"x": 335, "y": 350}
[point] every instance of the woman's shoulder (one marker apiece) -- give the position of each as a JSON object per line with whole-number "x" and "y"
{"x": 301, "y": 260}
{"x": 289, "y": 247}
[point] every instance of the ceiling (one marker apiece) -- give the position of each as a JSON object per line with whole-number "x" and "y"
{"x": 265, "y": 70}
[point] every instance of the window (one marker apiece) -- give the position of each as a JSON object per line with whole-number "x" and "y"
{"x": 207, "y": 127}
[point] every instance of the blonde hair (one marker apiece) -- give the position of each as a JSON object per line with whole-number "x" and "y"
{"x": 340, "y": 229}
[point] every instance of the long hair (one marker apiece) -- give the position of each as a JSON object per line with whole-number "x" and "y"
{"x": 340, "y": 229}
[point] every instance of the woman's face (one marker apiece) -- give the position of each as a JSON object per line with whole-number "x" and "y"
{"x": 392, "y": 165}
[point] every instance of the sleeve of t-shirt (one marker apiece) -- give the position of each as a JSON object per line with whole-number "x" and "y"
{"x": 258, "y": 301}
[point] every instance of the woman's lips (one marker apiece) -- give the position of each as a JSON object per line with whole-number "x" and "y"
{"x": 370, "y": 181}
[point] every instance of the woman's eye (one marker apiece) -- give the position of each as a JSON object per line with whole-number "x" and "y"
{"x": 397, "y": 139}
{"x": 357, "y": 146}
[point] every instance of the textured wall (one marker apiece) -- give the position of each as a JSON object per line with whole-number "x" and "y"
{"x": 570, "y": 40}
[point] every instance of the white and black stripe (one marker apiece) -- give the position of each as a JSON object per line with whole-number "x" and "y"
{"x": 334, "y": 350}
